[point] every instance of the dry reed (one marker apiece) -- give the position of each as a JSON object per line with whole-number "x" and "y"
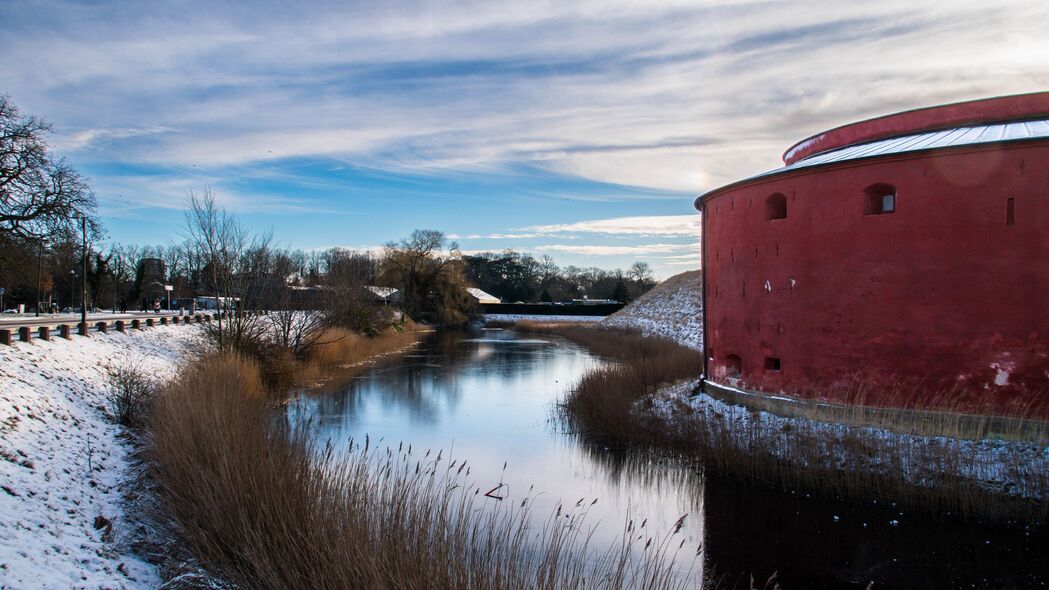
{"x": 262, "y": 508}
{"x": 337, "y": 355}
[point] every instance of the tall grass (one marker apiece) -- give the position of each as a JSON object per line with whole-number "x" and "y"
{"x": 604, "y": 403}
{"x": 337, "y": 354}
{"x": 262, "y": 508}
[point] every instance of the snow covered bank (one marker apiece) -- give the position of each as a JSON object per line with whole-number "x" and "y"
{"x": 1019, "y": 469}
{"x": 672, "y": 309}
{"x": 64, "y": 464}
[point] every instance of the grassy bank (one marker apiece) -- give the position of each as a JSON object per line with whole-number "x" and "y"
{"x": 337, "y": 354}
{"x": 617, "y": 405}
{"x": 261, "y": 508}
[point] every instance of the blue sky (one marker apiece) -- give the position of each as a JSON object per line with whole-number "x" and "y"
{"x": 582, "y": 130}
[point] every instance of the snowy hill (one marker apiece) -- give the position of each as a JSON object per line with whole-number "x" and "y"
{"x": 65, "y": 465}
{"x": 671, "y": 309}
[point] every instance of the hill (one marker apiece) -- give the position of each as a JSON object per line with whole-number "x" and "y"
{"x": 672, "y": 309}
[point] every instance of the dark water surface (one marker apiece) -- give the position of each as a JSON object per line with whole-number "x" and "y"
{"x": 488, "y": 397}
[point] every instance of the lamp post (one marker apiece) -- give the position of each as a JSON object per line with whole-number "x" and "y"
{"x": 83, "y": 284}
{"x": 39, "y": 271}
{"x": 72, "y": 289}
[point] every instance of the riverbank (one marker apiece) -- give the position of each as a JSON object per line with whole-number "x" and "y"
{"x": 67, "y": 465}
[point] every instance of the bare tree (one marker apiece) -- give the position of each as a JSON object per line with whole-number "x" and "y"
{"x": 641, "y": 273}
{"x": 230, "y": 256}
{"x": 296, "y": 328}
{"x": 40, "y": 197}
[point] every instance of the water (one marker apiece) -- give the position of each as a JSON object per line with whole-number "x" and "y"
{"x": 488, "y": 397}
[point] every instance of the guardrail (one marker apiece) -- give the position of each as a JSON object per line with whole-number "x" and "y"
{"x": 26, "y": 333}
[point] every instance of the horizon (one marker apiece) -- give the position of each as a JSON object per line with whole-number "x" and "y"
{"x": 584, "y": 132}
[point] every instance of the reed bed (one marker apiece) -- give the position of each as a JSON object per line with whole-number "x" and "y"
{"x": 845, "y": 451}
{"x": 262, "y": 507}
{"x": 338, "y": 354}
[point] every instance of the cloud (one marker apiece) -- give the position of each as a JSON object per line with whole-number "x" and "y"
{"x": 611, "y": 250}
{"x": 651, "y": 225}
{"x": 676, "y": 95}
{"x": 507, "y": 236}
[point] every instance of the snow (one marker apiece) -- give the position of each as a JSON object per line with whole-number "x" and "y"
{"x": 65, "y": 465}
{"x": 672, "y": 309}
{"x": 518, "y": 317}
{"x": 1010, "y": 467}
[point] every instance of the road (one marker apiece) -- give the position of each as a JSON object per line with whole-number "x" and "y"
{"x": 28, "y": 319}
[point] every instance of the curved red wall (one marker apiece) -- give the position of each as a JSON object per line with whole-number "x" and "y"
{"x": 940, "y": 300}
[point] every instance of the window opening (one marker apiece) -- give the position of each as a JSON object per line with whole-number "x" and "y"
{"x": 880, "y": 199}
{"x": 733, "y": 366}
{"x": 776, "y": 207}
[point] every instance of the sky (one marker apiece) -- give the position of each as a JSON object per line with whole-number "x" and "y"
{"x": 583, "y": 130}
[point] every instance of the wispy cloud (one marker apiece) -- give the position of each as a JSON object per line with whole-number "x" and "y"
{"x": 509, "y": 236}
{"x": 704, "y": 93}
{"x": 650, "y": 225}
{"x": 610, "y": 250}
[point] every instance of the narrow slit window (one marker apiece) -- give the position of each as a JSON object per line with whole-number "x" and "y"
{"x": 879, "y": 199}
{"x": 772, "y": 363}
{"x": 1010, "y": 211}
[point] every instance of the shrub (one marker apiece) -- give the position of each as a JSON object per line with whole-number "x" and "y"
{"x": 131, "y": 394}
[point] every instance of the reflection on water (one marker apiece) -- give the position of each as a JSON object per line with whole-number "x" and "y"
{"x": 487, "y": 397}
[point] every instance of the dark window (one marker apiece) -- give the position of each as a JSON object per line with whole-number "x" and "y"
{"x": 879, "y": 199}
{"x": 771, "y": 363}
{"x": 733, "y": 366}
{"x": 1010, "y": 211}
{"x": 776, "y": 207}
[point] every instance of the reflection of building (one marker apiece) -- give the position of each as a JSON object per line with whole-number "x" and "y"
{"x": 906, "y": 252}
{"x": 482, "y": 297}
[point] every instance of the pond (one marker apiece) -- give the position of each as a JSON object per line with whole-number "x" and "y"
{"x": 489, "y": 397}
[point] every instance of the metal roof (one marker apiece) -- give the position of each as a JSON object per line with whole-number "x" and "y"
{"x": 929, "y": 140}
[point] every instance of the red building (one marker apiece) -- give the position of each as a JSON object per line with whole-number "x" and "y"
{"x": 903, "y": 260}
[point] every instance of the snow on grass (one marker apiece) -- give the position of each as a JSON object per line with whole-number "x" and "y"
{"x": 63, "y": 462}
{"x": 672, "y": 309}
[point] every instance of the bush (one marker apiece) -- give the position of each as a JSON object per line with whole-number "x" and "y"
{"x": 131, "y": 395}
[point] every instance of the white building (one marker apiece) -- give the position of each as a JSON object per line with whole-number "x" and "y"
{"x": 481, "y": 296}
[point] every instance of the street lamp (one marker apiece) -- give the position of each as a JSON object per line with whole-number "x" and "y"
{"x": 83, "y": 283}
{"x": 39, "y": 272}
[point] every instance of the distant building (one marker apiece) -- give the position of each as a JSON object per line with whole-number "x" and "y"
{"x": 149, "y": 280}
{"x": 385, "y": 295}
{"x": 905, "y": 255}
{"x": 482, "y": 297}
{"x": 588, "y": 301}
